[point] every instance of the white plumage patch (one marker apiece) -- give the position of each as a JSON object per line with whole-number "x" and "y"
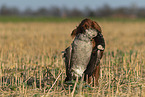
{"x": 79, "y": 72}
{"x": 100, "y": 47}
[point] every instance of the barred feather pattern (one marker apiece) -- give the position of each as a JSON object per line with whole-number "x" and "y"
{"x": 81, "y": 52}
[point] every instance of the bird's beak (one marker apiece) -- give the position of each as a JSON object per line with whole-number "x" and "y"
{"x": 98, "y": 54}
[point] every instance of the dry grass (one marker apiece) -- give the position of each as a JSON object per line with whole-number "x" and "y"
{"x": 31, "y": 52}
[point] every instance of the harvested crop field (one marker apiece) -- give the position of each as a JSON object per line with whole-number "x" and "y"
{"x": 31, "y": 62}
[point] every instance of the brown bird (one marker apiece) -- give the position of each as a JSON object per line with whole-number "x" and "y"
{"x": 84, "y": 54}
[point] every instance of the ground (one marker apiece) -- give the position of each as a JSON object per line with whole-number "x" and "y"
{"x": 27, "y": 48}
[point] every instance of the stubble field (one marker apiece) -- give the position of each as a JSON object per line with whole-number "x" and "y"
{"x": 31, "y": 62}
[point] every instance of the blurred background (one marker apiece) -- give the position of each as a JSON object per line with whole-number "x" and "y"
{"x": 73, "y": 8}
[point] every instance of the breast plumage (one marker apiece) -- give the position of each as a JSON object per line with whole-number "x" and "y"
{"x": 78, "y": 55}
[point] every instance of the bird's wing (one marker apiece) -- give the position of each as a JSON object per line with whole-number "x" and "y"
{"x": 67, "y": 57}
{"x": 96, "y": 55}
